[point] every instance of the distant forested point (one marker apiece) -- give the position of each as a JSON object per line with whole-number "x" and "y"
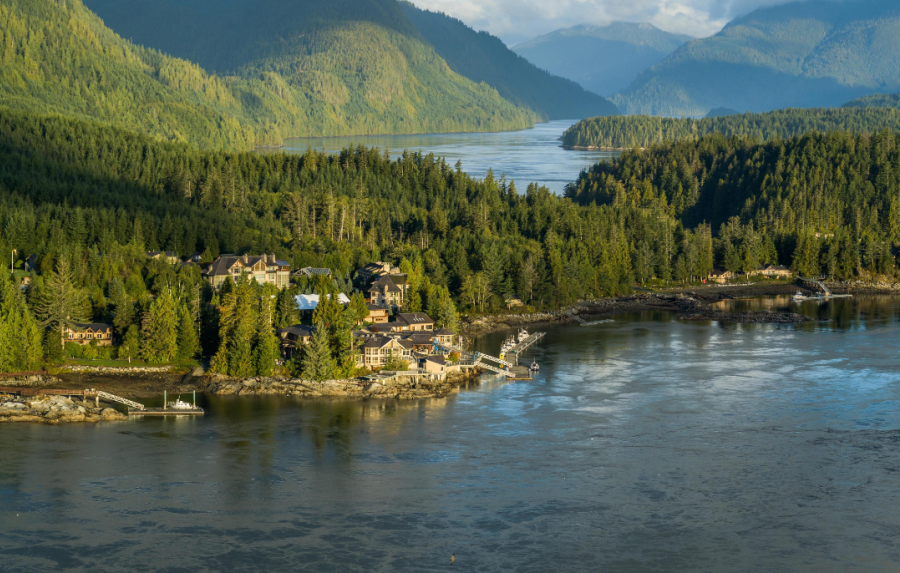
{"x": 877, "y": 100}
{"x": 627, "y": 132}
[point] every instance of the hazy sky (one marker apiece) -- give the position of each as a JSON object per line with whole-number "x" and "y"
{"x": 516, "y": 21}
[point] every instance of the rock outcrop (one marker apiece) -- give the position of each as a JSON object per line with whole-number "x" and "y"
{"x": 54, "y": 410}
{"x": 402, "y": 387}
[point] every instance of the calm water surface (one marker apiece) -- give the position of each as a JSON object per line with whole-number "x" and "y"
{"x": 646, "y": 444}
{"x": 527, "y": 156}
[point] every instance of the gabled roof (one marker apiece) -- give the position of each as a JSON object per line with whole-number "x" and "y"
{"x": 224, "y": 264}
{"x": 382, "y": 341}
{"x": 377, "y": 307}
{"x": 385, "y": 282}
{"x": 437, "y": 360}
{"x": 92, "y": 327}
{"x": 414, "y": 318}
{"x": 443, "y": 332}
{"x": 298, "y": 330}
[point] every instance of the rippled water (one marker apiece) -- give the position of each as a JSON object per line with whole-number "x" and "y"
{"x": 526, "y": 156}
{"x": 645, "y": 444}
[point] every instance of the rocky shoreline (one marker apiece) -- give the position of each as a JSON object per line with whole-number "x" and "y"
{"x": 399, "y": 388}
{"x": 692, "y": 304}
{"x": 55, "y": 410}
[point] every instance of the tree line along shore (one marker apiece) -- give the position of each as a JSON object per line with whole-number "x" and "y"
{"x": 83, "y": 204}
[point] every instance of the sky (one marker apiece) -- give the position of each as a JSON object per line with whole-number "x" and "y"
{"x": 516, "y": 21}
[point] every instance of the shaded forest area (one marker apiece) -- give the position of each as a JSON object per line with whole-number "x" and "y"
{"x": 641, "y": 131}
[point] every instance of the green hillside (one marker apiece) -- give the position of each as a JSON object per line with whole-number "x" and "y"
{"x": 345, "y": 67}
{"x": 59, "y": 57}
{"x": 877, "y": 100}
{"x": 603, "y": 59}
{"x": 627, "y": 132}
{"x": 803, "y": 54}
{"x": 485, "y": 58}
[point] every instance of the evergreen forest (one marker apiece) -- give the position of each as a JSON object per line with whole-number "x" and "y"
{"x": 83, "y": 202}
{"x": 628, "y": 132}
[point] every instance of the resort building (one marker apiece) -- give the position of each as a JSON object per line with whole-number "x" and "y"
{"x": 412, "y": 322}
{"x": 310, "y": 302}
{"x": 378, "y": 314}
{"x": 293, "y": 337}
{"x": 389, "y": 290}
{"x": 773, "y": 271}
{"x": 379, "y": 349}
{"x": 262, "y": 268}
{"x": 374, "y": 270}
{"x": 84, "y": 334}
{"x": 168, "y": 256}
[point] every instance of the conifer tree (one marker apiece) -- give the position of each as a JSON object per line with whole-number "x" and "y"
{"x": 161, "y": 330}
{"x": 60, "y": 303}
{"x": 286, "y": 311}
{"x": 131, "y": 344}
{"x": 188, "y": 337}
{"x": 318, "y": 363}
{"x": 21, "y": 345}
{"x": 267, "y": 349}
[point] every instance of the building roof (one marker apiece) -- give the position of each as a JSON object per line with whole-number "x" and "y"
{"x": 382, "y": 341}
{"x": 311, "y": 301}
{"x": 93, "y": 327}
{"x": 224, "y": 264}
{"x": 385, "y": 282}
{"x": 443, "y": 332}
{"x": 298, "y": 330}
{"x": 312, "y": 272}
{"x": 437, "y": 360}
{"x": 377, "y": 307}
{"x": 413, "y": 318}
{"x": 419, "y": 338}
{"x": 153, "y": 254}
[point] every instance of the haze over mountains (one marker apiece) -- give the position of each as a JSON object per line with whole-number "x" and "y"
{"x": 603, "y": 59}
{"x": 485, "y": 58}
{"x": 802, "y": 54}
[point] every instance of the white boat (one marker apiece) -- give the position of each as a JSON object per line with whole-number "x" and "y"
{"x": 534, "y": 366}
{"x": 179, "y": 405}
{"x": 523, "y": 335}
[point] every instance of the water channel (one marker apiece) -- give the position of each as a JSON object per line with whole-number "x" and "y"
{"x": 530, "y": 155}
{"x": 645, "y": 444}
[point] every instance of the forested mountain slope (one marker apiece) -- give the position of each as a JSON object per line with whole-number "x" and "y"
{"x": 59, "y": 57}
{"x": 802, "y": 54}
{"x": 603, "y": 59}
{"x": 485, "y": 58}
{"x": 626, "y": 132}
{"x": 346, "y": 67}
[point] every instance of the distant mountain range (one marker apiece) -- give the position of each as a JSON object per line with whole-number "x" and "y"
{"x": 876, "y": 100}
{"x": 801, "y": 54}
{"x": 603, "y": 59}
{"x": 485, "y": 58}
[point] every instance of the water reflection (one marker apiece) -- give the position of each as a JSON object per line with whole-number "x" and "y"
{"x": 526, "y": 156}
{"x": 644, "y": 444}
{"x": 840, "y": 314}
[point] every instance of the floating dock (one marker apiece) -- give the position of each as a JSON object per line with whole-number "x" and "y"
{"x": 519, "y": 373}
{"x": 165, "y": 412}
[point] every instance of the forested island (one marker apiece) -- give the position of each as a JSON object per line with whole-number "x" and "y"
{"x": 83, "y": 203}
{"x": 629, "y": 132}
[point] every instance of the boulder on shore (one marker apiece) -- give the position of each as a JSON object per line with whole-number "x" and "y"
{"x": 54, "y": 410}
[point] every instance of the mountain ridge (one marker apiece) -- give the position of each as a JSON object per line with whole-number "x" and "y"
{"x": 482, "y": 57}
{"x": 628, "y": 49}
{"x": 801, "y": 54}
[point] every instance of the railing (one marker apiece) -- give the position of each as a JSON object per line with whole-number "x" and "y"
{"x": 113, "y": 398}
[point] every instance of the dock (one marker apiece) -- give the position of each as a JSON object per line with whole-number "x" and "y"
{"x": 519, "y": 373}
{"x": 165, "y": 412}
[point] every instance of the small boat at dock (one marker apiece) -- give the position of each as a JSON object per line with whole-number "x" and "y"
{"x": 534, "y": 366}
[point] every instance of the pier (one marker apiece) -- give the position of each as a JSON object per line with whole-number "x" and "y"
{"x": 134, "y": 408}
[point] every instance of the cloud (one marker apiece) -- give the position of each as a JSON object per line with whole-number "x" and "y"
{"x": 516, "y": 21}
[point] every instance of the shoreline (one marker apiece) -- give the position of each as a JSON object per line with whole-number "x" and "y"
{"x": 689, "y": 303}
